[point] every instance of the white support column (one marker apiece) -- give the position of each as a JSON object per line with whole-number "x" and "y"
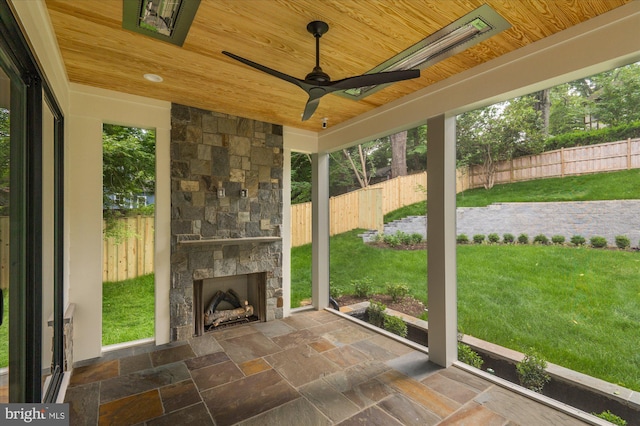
{"x": 285, "y": 232}
{"x": 441, "y": 239}
{"x": 320, "y": 230}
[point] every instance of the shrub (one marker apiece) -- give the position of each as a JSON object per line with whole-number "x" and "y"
{"x": 397, "y": 291}
{"x": 493, "y": 238}
{"x": 478, "y": 238}
{"x": 376, "y": 314}
{"x": 523, "y": 239}
{"x": 362, "y": 287}
{"x": 469, "y": 356}
{"x": 508, "y": 238}
{"x": 404, "y": 238}
{"x": 391, "y": 240}
{"x": 335, "y": 291}
{"x": 578, "y": 240}
{"x": 395, "y": 325}
{"x": 531, "y": 372}
{"x": 557, "y": 239}
{"x": 462, "y": 239}
{"x": 416, "y": 238}
{"x": 622, "y": 242}
{"x": 541, "y": 239}
{"x": 598, "y": 242}
{"x": 611, "y": 418}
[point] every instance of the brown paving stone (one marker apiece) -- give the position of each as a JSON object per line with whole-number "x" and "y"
{"x": 328, "y": 400}
{"x": 94, "y": 372}
{"x": 321, "y": 345}
{"x": 347, "y": 335}
{"x": 474, "y": 414}
{"x": 302, "y": 411}
{"x": 346, "y": 356}
{"x": 301, "y": 365}
{"x": 522, "y": 410}
{"x": 179, "y": 395}
{"x": 234, "y": 402}
{"x": 193, "y": 415}
{"x": 135, "y": 363}
{"x": 273, "y": 328}
{"x": 233, "y": 332}
{"x": 428, "y": 398}
{"x": 471, "y": 380}
{"x": 206, "y": 360}
{"x": 84, "y": 401}
{"x": 323, "y": 316}
{"x": 297, "y": 338}
{"x": 254, "y": 366}
{"x": 451, "y": 388}
{"x": 368, "y": 393}
{"x": 141, "y": 381}
{"x": 300, "y": 322}
{"x": 205, "y": 344}
{"x": 374, "y": 350}
{"x": 391, "y": 345}
{"x": 216, "y": 375}
{"x": 171, "y": 355}
{"x": 132, "y": 409}
{"x": 325, "y": 328}
{"x": 344, "y": 380}
{"x": 248, "y": 347}
{"x": 408, "y": 412}
{"x": 372, "y": 416}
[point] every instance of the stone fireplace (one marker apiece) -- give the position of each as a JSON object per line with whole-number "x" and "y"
{"x": 226, "y": 201}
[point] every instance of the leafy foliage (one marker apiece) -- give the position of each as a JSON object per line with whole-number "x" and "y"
{"x": 598, "y": 242}
{"x": 612, "y": 418}
{"x": 395, "y": 325}
{"x": 376, "y": 313}
{"x": 557, "y": 239}
{"x": 523, "y": 239}
{"x": 531, "y": 372}
{"x": 469, "y": 356}
{"x": 578, "y": 240}
{"x": 397, "y": 291}
{"x": 508, "y": 238}
{"x": 479, "y": 238}
{"x": 462, "y": 239}
{"x": 622, "y": 242}
{"x": 541, "y": 239}
{"x": 362, "y": 287}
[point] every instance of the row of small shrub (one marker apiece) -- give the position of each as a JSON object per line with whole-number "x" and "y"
{"x": 363, "y": 287}
{"x": 622, "y": 242}
{"x": 379, "y": 318}
{"x": 400, "y": 238}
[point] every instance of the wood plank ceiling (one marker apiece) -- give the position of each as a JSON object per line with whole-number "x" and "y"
{"x": 98, "y": 52}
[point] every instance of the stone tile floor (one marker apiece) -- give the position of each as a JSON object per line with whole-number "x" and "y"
{"x": 313, "y": 368}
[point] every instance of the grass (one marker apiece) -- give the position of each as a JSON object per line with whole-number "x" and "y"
{"x": 620, "y": 185}
{"x": 128, "y": 310}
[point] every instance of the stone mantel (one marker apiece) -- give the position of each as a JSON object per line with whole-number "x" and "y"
{"x": 230, "y": 241}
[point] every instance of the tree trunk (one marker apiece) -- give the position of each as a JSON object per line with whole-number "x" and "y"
{"x": 544, "y": 106}
{"x": 399, "y": 154}
{"x": 363, "y": 183}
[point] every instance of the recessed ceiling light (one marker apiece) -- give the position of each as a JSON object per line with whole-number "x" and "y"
{"x": 153, "y": 78}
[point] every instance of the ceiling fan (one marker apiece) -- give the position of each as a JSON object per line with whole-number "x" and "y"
{"x": 317, "y": 83}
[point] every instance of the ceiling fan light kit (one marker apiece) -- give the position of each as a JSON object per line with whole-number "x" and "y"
{"x": 460, "y": 35}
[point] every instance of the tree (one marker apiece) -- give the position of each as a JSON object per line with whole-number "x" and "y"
{"x": 618, "y": 95}
{"x": 399, "y": 154}
{"x": 128, "y": 164}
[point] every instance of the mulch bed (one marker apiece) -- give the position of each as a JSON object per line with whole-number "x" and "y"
{"x": 407, "y": 305}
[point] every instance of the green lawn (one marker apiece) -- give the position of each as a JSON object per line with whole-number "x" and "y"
{"x": 128, "y": 310}
{"x": 620, "y": 185}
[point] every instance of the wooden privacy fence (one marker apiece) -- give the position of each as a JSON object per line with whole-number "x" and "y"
{"x": 606, "y": 157}
{"x": 365, "y": 208}
{"x": 133, "y": 256}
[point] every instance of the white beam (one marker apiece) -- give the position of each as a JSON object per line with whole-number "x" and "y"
{"x": 441, "y": 240}
{"x": 320, "y": 230}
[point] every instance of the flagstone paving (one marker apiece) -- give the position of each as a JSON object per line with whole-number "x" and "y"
{"x": 313, "y": 368}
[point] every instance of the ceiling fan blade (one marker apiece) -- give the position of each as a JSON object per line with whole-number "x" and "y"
{"x": 310, "y": 108}
{"x": 278, "y": 74}
{"x": 375, "y": 79}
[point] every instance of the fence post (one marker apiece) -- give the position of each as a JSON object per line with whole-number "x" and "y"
{"x": 628, "y": 153}
{"x": 561, "y": 162}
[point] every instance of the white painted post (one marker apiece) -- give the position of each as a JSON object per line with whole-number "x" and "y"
{"x": 441, "y": 240}
{"x": 320, "y": 230}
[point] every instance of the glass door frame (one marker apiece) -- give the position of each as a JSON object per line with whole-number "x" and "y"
{"x": 28, "y": 89}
